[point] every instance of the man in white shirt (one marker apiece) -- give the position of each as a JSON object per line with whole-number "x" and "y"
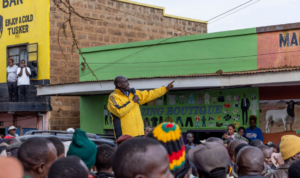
{"x": 23, "y": 81}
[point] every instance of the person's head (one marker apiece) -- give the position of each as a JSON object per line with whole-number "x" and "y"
{"x": 12, "y": 141}
{"x": 229, "y": 140}
{"x": 11, "y": 62}
{"x": 83, "y": 147}
{"x": 253, "y": 97}
{"x": 238, "y": 148}
{"x": 1, "y": 136}
{"x": 68, "y": 167}
{"x": 60, "y": 148}
{"x": 232, "y": 146}
{"x": 141, "y": 158}
{"x": 211, "y": 160}
{"x": 267, "y": 151}
{"x": 190, "y": 138}
{"x": 272, "y": 146}
{"x": 169, "y": 135}
{"x": 23, "y": 62}
{"x": 37, "y": 154}
{"x": 256, "y": 142}
{"x": 10, "y": 167}
{"x": 290, "y": 148}
{"x": 250, "y": 161}
{"x": 241, "y": 131}
{"x": 147, "y": 130}
{"x": 294, "y": 169}
{"x": 215, "y": 139}
{"x": 104, "y": 157}
{"x": 244, "y": 95}
{"x": 230, "y": 129}
{"x": 252, "y": 120}
{"x": 12, "y": 130}
{"x": 121, "y": 83}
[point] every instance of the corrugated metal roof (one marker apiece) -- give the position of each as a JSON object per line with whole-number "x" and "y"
{"x": 194, "y": 75}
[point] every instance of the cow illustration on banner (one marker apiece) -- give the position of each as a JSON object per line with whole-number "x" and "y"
{"x": 279, "y": 115}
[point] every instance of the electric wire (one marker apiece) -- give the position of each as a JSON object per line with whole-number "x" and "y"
{"x": 229, "y": 10}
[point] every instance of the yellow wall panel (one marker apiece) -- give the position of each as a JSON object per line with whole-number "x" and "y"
{"x": 30, "y": 19}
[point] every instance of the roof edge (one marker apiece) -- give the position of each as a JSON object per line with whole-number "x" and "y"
{"x": 162, "y": 8}
{"x": 169, "y": 40}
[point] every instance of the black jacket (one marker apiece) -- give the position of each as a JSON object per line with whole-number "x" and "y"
{"x": 247, "y": 104}
{"x": 252, "y": 176}
{"x": 104, "y": 175}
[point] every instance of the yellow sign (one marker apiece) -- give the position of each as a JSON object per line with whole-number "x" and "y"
{"x": 25, "y": 22}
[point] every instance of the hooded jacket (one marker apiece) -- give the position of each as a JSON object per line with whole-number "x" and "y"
{"x": 126, "y": 114}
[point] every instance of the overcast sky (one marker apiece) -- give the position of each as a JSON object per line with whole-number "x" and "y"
{"x": 262, "y": 13}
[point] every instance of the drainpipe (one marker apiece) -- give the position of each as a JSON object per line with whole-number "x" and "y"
{"x": 43, "y": 124}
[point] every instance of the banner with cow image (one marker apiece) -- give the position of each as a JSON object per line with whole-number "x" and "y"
{"x": 279, "y": 115}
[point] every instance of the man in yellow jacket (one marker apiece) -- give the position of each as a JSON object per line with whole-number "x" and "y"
{"x": 125, "y": 109}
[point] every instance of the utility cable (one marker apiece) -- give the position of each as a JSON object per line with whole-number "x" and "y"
{"x": 233, "y": 12}
{"x": 229, "y": 10}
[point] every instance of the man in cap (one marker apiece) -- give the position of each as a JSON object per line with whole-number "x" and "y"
{"x": 250, "y": 162}
{"x": 11, "y": 132}
{"x": 290, "y": 152}
{"x": 211, "y": 160}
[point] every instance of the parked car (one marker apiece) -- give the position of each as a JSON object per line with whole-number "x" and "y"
{"x": 67, "y": 136}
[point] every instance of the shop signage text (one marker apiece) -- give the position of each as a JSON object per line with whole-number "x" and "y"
{"x": 287, "y": 39}
{"x": 183, "y": 110}
{"x": 18, "y": 20}
{"x": 9, "y": 3}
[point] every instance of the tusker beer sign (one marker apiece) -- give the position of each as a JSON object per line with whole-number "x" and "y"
{"x": 25, "y": 22}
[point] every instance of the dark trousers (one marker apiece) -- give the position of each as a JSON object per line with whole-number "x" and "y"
{"x": 245, "y": 112}
{"x": 189, "y": 120}
{"x": 23, "y": 92}
{"x": 12, "y": 91}
{"x": 178, "y": 119}
{"x": 106, "y": 121}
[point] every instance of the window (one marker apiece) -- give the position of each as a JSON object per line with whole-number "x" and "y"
{"x": 27, "y": 52}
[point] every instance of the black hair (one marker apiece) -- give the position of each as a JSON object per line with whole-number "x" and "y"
{"x": 263, "y": 147}
{"x": 33, "y": 151}
{"x": 252, "y": 118}
{"x": 104, "y": 157}
{"x": 271, "y": 145}
{"x": 68, "y": 167}
{"x": 255, "y": 142}
{"x": 60, "y": 148}
{"x": 128, "y": 160}
{"x": 239, "y": 147}
{"x": 216, "y": 173}
{"x": 278, "y": 147}
{"x": 23, "y": 60}
{"x": 241, "y": 128}
{"x": 231, "y": 125}
{"x": 294, "y": 169}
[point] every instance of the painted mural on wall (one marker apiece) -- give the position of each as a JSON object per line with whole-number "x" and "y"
{"x": 212, "y": 109}
{"x": 279, "y": 115}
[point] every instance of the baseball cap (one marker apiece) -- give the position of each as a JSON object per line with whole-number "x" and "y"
{"x": 12, "y": 128}
{"x": 208, "y": 157}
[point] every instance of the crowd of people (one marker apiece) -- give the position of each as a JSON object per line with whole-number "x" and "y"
{"x": 161, "y": 153}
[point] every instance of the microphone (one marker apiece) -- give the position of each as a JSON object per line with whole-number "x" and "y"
{"x": 134, "y": 93}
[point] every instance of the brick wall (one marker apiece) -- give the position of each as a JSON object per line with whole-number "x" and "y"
{"x": 115, "y": 26}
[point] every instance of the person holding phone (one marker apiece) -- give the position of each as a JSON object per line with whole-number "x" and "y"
{"x": 23, "y": 81}
{"x": 232, "y": 134}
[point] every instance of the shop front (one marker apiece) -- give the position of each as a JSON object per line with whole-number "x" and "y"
{"x": 220, "y": 79}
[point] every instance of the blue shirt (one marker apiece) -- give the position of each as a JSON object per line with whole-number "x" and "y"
{"x": 190, "y": 146}
{"x": 254, "y": 134}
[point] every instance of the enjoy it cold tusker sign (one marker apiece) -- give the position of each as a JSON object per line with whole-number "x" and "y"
{"x": 211, "y": 109}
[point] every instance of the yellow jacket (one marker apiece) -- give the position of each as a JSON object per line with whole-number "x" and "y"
{"x": 127, "y": 118}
